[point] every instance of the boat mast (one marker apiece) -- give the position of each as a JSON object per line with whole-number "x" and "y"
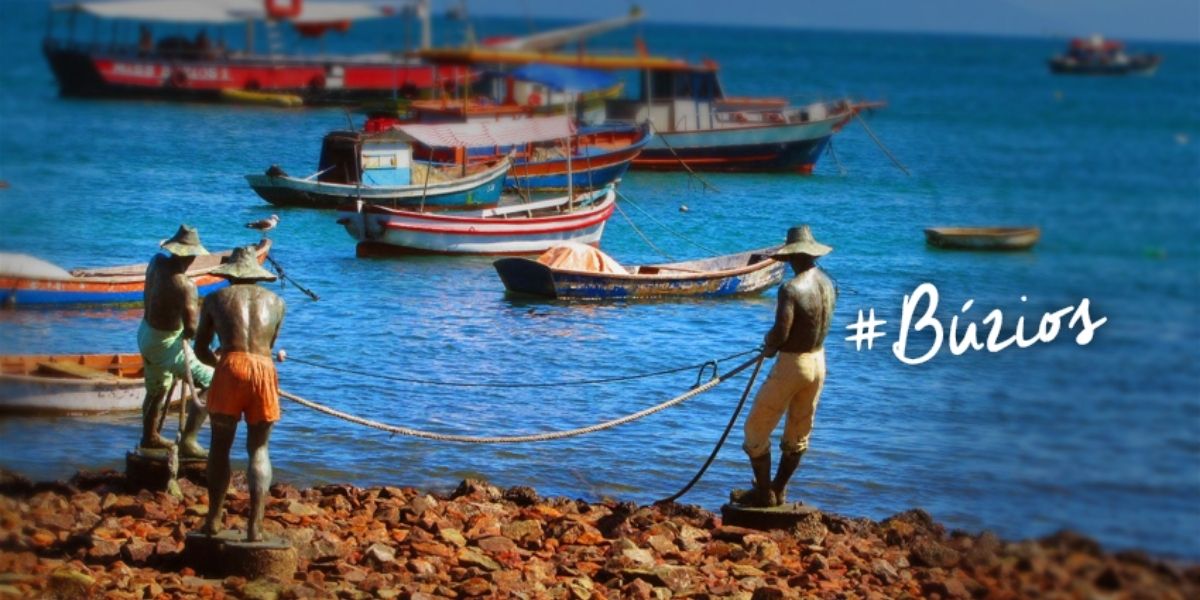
{"x": 426, "y": 24}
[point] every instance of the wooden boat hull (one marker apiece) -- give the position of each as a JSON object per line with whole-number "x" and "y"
{"x": 261, "y": 98}
{"x": 781, "y": 147}
{"x": 112, "y": 285}
{"x": 593, "y": 171}
{"x": 383, "y": 231}
{"x": 84, "y": 73}
{"x": 735, "y": 274}
{"x": 476, "y": 190}
{"x": 983, "y": 238}
{"x": 24, "y": 388}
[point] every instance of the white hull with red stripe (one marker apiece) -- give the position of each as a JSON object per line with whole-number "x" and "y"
{"x": 527, "y": 228}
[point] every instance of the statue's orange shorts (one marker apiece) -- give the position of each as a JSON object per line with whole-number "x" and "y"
{"x": 245, "y": 383}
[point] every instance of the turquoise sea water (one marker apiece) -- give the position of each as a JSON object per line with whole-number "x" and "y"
{"x": 1103, "y": 438}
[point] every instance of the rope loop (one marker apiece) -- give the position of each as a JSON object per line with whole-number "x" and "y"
{"x": 704, "y": 367}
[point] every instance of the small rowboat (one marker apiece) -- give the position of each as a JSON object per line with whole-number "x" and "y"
{"x": 71, "y": 383}
{"x": 732, "y": 274}
{"x": 261, "y": 98}
{"x": 523, "y": 228}
{"x": 983, "y": 238}
{"x": 27, "y": 281}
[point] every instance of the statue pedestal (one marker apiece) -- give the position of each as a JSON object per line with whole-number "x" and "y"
{"x": 228, "y": 554}
{"x": 784, "y": 516}
{"x": 146, "y": 468}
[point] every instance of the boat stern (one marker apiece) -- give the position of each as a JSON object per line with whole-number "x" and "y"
{"x": 524, "y": 276}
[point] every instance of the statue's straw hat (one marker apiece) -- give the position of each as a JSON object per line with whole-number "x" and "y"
{"x": 243, "y": 266}
{"x": 800, "y": 241}
{"x": 185, "y": 242}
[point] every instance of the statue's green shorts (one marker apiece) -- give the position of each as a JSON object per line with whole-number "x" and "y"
{"x": 163, "y": 359}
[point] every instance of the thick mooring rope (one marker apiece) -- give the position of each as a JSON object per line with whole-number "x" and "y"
{"x": 510, "y": 384}
{"x": 514, "y": 439}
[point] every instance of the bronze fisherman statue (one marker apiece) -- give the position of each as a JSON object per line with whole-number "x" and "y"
{"x": 802, "y": 318}
{"x": 172, "y": 308}
{"x": 246, "y": 318}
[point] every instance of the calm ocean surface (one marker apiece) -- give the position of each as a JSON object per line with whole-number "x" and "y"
{"x": 1103, "y": 438}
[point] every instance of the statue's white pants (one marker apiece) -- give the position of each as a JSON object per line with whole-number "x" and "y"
{"x": 794, "y": 387}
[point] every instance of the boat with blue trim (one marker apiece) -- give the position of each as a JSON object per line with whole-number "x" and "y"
{"x": 696, "y": 126}
{"x": 26, "y": 281}
{"x": 577, "y": 272}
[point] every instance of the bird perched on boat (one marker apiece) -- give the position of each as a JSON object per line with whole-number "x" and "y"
{"x": 264, "y": 225}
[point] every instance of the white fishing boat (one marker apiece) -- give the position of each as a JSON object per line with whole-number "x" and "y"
{"x": 521, "y": 228}
{"x": 71, "y": 383}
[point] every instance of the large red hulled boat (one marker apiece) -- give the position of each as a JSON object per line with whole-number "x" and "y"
{"x": 116, "y": 54}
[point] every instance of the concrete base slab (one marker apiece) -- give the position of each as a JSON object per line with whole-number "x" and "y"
{"x": 228, "y": 554}
{"x": 784, "y": 516}
{"x": 146, "y": 468}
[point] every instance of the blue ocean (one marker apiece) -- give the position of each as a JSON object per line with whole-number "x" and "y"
{"x": 1103, "y": 438}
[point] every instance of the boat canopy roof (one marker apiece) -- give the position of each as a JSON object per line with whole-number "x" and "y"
{"x": 217, "y": 12}
{"x": 480, "y": 134}
{"x": 565, "y": 79}
{"x": 607, "y": 62}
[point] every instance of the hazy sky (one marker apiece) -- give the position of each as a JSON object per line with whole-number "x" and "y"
{"x": 1134, "y": 19}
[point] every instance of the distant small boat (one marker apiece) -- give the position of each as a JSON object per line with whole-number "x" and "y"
{"x": 523, "y": 228}
{"x": 572, "y": 274}
{"x": 261, "y": 98}
{"x": 1098, "y": 56}
{"x": 29, "y": 281}
{"x": 71, "y": 383}
{"x": 983, "y": 238}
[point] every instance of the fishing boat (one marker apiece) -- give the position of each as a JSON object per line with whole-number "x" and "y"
{"x": 72, "y": 383}
{"x": 983, "y": 238}
{"x": 28, "y": 281}
{"x": 696, "y": 126}
{"x": 595, "y": 156}
{"x": 576, "y": 272}
{"x": 1098, "y": 56}
{"x": 379, "y": 169}
{"x": 527, "y": 227}
{"x": 116, "y": 53}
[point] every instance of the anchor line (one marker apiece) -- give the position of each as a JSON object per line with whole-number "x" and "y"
{"x": 642, "y": 235}
{"x": 536, "y": 437}
{"x": 694, "y": 174}
{"x": 668, "y": 229}
{"x": 545, "y": 384}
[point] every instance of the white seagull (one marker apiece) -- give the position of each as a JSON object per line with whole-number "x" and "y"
{"x": 264, "y": 225}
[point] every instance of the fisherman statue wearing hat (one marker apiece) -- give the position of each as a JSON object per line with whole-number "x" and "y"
{"x": 802, "y": 318}
{"x": 246, "y": 318}
{"x": 172, "y": 309}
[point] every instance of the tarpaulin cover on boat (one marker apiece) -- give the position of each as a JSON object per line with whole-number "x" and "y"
{"x": 565, "y": 79}
{"x": 23, "y": 265}
{"x": 481, "y": 134}
{"x": 581, "y": 257}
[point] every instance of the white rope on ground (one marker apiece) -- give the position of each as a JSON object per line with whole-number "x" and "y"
{"x": 514, "y": 439}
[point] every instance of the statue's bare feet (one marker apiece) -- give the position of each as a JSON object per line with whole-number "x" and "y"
{"x": 156, "y": 441}
{"x": 754, "y": 497}
{"x": 190, "y": 448}
{"x": 210, "y": 527}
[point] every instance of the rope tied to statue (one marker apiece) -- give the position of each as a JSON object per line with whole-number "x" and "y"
{"x": 535, "y": 437}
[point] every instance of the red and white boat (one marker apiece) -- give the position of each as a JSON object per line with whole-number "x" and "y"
{"x": 523, "y": 228}
{"x": 117, "y": 55}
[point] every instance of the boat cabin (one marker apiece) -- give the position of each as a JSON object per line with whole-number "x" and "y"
{"x": 379, "y": 159}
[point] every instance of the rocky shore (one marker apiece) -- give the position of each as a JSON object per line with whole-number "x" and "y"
{"x": 92, "y": 537}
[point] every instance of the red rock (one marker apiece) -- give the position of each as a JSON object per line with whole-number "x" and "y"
{"x": 474, "y": 587}
{"x": 497, "y": 545}
{"x": 104, "y": 548}
{"x": 930, "y": 553}
{"x": 137, "y": 551}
